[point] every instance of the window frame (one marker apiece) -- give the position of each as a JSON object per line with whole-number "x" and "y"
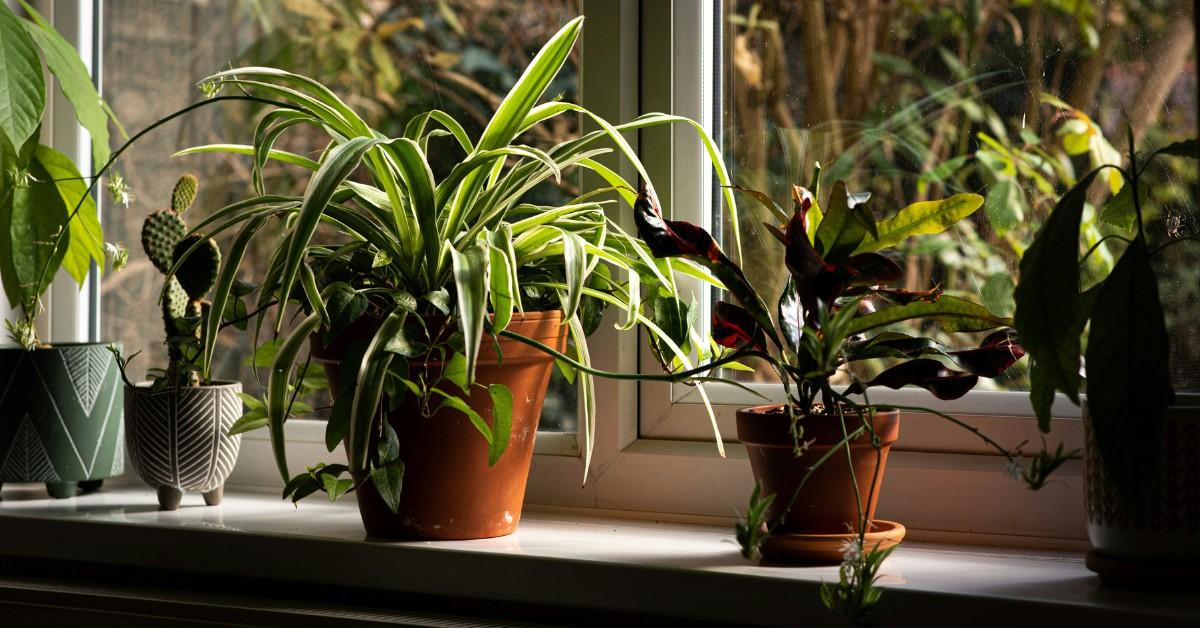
{"x": 654, "y": 454}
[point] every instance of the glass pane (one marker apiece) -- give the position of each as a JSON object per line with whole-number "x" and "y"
{"x": 1012, "y": 100}
{"x": 387, "y": 60}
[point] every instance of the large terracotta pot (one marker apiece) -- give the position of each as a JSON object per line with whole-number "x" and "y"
{"x": 1136, "y": 541}
{"x": 450, "y": 492}
{"x": 826, "y": 504}
{"x": 60, "y": 417}
{"x": 178, "y": 438}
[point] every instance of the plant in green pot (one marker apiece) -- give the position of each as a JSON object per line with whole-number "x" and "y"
{"x": 178, "y": 423}
{"x": 438, "y": 303}
{"x": 1140, "y": 435}
{"x": 60, "y": 402}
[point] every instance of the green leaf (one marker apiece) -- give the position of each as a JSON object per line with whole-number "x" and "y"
{"x": 85, "y": 240}
{"x": 418, "y": 181}
{"x": 457, "y": 403}
{"x": 1127, "y": 369}
{"x": 278, "y": 388}
{"x": 344, "y": 305}
{"x": 997, "y": 293}
{"x": 575, "y": 265}
{"x": 1047, "y": 298}
{"x": 502, "y": 408}
{"x": 368, "y": 389}
{"x": 923, "y": 217}
{"x": 38, "y": 213}
{"x": 23, "y": 96}
{"x": 336, "y": 487}
{"x": 75, "y": 82}
{"x": 502, "y": 277}
{"x": 225, "y": 285}
{"x": 264, "y": 354}
{"x": 389, "y": 483}
{"x": 456, "y": 371}
{"x": 953, "y": 313}
{"x": 843, "y": 228}
{"x": 411, "y": 341}
{"x": 470, "y": 279}
{"x": 1120, "y": 212}
{"x": 1004, "y": 206}
{"x": 1185, "y": 148}
{"x": 255, "y": 419}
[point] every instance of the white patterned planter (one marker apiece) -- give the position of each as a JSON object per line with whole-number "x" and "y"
{"x": 178, "y": 439}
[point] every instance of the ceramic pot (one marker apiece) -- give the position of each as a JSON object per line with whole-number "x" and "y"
{"x": 178, "y": 438}
{"x": 60, "y": 417}
{"x": 1139, "y": 539}
{"x": 450, "y": 492}
{"x": 826, "y": 504}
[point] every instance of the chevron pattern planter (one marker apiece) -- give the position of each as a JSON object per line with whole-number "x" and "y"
{"x": 179, "y": 440}
{"x": 60, "y": 417}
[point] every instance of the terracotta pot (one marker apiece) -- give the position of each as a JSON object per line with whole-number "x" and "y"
{"x": 61, "y": 417}
{"x": 1138, "y": 539}
{"x": 178, "y": 438}
{"x": 826, "y": 504}
{"x": 450, "y": 492}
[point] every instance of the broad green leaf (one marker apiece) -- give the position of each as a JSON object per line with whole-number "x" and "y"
{"x": 1127, "y": 369}
{"x": 264, "y": 354}
{"x": 38, "y": 214}
{"x": 843, "y": 228}
{"x": 335, "y": 486}
{"x": 344, "y": 305}
{"x": 502, "y": 409}
{"x": 457, "y": 403}
{"x": 952, "y": 313}
{"x": 85, "y": 240}
{"x": 252, "y": 420}
{"x": 1047, "y": 297}
{"x": 389, "y": 483}
{"x": 470, "y": 279}
{"x": 278, "y": 387}
{"x": 23, "y": 93}
{"x": 75, "y": 82}
{"x": 1119, "y": 211}
{"x": 1004, "y": 206}
{"x": 456, "y": 371}
{"x": 924, "y": 217}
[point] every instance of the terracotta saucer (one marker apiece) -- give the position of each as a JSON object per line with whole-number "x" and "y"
{"x": 826, "y": 549}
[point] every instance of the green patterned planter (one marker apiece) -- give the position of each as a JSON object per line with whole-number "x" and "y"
{"x": 61, "y": 413}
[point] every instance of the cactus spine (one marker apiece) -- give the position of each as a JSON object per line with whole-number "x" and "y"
{"x": 198, "y": 260}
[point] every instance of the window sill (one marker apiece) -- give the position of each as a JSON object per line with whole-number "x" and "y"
{"x": 591, "y": 564}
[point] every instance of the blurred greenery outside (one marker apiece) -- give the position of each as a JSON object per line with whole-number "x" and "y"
{"x": 1011, "y": 99}
{"x": 907, "y": 99}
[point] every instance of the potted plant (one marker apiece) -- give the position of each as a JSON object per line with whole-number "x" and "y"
{"x": 444, "y": 300}
{"x": 178, "y": 423}
{"x": 1142, "y": 520}
{"x": 60, "y": 403}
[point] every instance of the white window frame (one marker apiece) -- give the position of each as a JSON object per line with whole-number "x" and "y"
{"x": 654, "y": 455}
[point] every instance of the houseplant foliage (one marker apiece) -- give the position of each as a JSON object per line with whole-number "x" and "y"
{"x": 835, "y": 312}
{"x": 60, "y": 403}
{"x": 182, "y": 410}
{"x": 437, "y": 268}
{"x": 1129, "y": 408}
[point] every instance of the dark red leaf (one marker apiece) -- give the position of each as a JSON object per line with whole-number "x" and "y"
{"x": 943, "y": 382}
{"x": 999, "y": 351}
{"x": 734, "y": 327}
{"x": 671, "y": 238}
{"x": 874, "y": 269}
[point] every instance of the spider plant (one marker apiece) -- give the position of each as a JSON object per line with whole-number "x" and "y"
{"x": 462, "y": 243}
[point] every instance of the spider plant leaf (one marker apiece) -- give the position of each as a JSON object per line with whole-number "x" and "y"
{"x": 502, "y": 277}
{"x": 226, "y": 280}
{"x": 278, "y": 387}
{"x": 415, "y": 129}
{"x": 575, "y": 267}
{"x": 281, "y": 156}
{"x": 368, "y": 388}
{"x": 470, "y": 279}
{"x": 418, "y": 181}
{"x": 268, "y": 130}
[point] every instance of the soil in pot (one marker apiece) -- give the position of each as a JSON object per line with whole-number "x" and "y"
{"x": 61, "y": 417}
{"x": 450, "y": 492}
{"x": 826, "y": 504}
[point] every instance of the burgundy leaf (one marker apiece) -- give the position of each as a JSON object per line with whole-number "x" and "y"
{"x": 874, "y": 269}
{"x": 943, "y": 382}
{"x": 803, "y": 200}
{"x": 999, "y": 351}
{"x": 671, "y": 238}
{"x": 734, "y": 327}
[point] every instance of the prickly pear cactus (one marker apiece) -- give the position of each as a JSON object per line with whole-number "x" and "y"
{"x": 183, "y": 307}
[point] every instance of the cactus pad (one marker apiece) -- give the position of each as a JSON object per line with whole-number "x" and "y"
{"x": 161, "y": 231}
{"x": 175, "y": 302}
{"x": 184, "y": 193}
{"x": 198, "y": 272}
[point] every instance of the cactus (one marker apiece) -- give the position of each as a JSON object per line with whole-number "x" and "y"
{"x": 183, "y": 305}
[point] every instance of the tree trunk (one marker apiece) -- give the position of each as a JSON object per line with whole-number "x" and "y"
{"x": 820, "y": 114}
{"x": 1082, "y": 95}
{"x": 1036, "y": 65}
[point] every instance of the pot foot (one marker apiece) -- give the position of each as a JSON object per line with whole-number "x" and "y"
{"x": 169, "y": 498}
{"x": 213, "y": 497}
{"x": 90, "y": 486}
{"x": 61, "y": 490}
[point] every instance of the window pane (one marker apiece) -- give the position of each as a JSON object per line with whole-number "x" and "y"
{"x": 387, "y": 60}
{"x": 1011, "y": 100}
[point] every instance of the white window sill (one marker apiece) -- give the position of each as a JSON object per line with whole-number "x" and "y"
{"x": 678, "y": 571}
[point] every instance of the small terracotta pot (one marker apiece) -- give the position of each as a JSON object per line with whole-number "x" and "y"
{"x": 826, "y": 504}
{"x": 1138, "y": 540}
{"x": 450, "y": 492}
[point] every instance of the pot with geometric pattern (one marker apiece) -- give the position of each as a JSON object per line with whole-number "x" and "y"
{"x": 60, "y": 417}
{"x": 178, "y": 438}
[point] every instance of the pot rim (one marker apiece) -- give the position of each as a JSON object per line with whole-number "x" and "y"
{"x": 763, "y": 409}
{"x": 216, "y": 383}
{"x": 58, "y": 345}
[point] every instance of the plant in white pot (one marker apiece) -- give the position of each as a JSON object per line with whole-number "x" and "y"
{"x": 178, "y": 423}
{"x": 1141, "y": 452}
{"x": 443, "y": 299}
{"x": 60, "y": 402}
